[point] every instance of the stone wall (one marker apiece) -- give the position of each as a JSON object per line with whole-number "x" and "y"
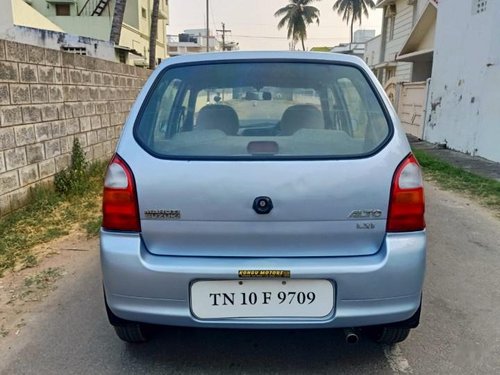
{"x": 47, "y": 98}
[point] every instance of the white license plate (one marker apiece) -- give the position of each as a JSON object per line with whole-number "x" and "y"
{"x": 262, "y": 298}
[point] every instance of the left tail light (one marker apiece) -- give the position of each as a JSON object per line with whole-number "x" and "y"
{"x": 120, "y": 210}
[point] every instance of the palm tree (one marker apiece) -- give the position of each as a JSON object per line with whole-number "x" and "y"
{"x": 297, "y": 15}
{"x": 153, "y": 34}
{"x": 116, "y": 26}
{"x": 353, "y": 10}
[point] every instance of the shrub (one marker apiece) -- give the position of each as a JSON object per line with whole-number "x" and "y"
{"x": 73, "y": 180}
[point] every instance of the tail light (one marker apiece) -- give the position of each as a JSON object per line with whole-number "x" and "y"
{"x": 120, "y": 210}
{"x": 407, "y": 205}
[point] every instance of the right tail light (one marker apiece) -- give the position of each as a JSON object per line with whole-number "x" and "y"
{"x": 407, "y": 204}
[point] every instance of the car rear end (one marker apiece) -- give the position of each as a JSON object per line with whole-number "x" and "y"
{"x": 263, "y": 190}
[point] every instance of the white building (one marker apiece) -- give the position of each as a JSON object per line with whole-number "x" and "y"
{"x": 362, "y": 36}
{"x": 84, "y": 26}
{"x": 463, "y": 108}
{"x": 399, "y": 18}
{"x": 191, "y": 41}
{"x": 372, "y": 52}
{"x": 20, "y": 22}
{"x": 357, "y": 47}
{"x": 418, "y": 48}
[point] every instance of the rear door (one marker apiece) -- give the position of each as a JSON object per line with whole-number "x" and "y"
{"x": 329, "y": 187}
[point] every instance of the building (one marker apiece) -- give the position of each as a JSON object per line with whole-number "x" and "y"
{"x": 372, "y": 53}
{"x": 195, "y": 41}
{"x": 401, "y": 57}
{"x": 362, "y": 36}
{"x": 463, "y": 110}
{"x": 399, "y": 18}
{"x": 410, "y": 97}
{"x": 357, "y": 47}
{"x": 418, "y": 48}
{"x": 191, "y": 41}
{"x": 33, "y": 21}
{"x": 16, "y": 14}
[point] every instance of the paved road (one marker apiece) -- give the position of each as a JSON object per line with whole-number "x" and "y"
{"x": 459, "y": 334}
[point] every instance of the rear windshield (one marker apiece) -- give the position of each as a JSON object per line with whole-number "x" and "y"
{"x": 262, "y": 110}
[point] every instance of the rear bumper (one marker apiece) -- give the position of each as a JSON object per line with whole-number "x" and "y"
{"x": 370, "y": 290}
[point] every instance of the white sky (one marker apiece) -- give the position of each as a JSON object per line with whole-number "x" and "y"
{"x": 253, "y": 23}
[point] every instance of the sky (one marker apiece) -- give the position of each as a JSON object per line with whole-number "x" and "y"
{"x": 253, "y": 23}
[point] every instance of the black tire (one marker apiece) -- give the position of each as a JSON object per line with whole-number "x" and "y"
{"x": 126, "y": 330}
{"x": 388, "y": 335}
{"x": 133, "y": 333}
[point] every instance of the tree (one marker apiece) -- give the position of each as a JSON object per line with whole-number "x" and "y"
{"x": 297, "y": 15}
{"x": 116, "y": 26}
{"x": 153, "y": 34}
{"x": 353, "y": 10}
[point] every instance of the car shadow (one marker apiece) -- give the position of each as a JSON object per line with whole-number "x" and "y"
{"x": 192, "y": 350}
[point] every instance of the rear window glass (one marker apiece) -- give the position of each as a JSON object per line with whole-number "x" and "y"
{"x": 261, "y": 110}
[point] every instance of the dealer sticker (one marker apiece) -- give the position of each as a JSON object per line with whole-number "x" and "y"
{"x": 264, "y": 273}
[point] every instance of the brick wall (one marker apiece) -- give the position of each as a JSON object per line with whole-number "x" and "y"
{"x": 47, "y": 98}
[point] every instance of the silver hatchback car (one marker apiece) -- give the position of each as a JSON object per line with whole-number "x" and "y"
{"x": 263, "y": 190}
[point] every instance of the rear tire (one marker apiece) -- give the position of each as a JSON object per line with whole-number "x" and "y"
{"x": 389, "y": 335}
{"x": 133, "y": 333}
{"x": 126, "y": 330}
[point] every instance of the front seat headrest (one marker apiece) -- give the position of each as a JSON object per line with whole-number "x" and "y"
{"x": 301, "y": 116}
{"x": 218, "y": 116}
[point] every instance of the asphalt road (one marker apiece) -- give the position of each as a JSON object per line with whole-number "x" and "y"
{"x": 459, "y": 333}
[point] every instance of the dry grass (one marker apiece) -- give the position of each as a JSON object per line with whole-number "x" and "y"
{"x": 49, "y": 215}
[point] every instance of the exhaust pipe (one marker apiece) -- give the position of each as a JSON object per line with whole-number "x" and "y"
{"x": 351, "y": 337}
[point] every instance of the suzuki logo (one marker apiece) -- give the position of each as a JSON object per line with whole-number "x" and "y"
{"x": 262, "y": 205}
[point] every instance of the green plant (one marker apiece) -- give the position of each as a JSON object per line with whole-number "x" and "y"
{"x": 73, "y": 180}
{"x": 43, "y": 279}
{"x": 482, "y": 189}
{"x": 297, "y": 15}
{"x": 3, "y": 332}
{"x": 93, "y": 226}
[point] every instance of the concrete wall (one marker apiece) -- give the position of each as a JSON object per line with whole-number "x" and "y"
{"x": 92, "y": 27}
{"x": 372, "y": 51}
{"x": 48, "y": 98}
{"x": 421, "y": 4}
{"x": 463, "y": 109}
{"x": 56, "y": 40}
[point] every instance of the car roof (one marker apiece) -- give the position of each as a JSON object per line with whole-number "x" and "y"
{"x": 262, "y": 55}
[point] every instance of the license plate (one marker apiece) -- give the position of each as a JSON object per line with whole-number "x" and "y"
{"x": 262, "y": 298}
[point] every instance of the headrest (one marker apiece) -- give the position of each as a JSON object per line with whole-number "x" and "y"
{"x": 301, "y": 116}
{"x": 220, "y": 117}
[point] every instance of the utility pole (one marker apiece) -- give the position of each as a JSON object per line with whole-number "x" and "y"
{"x": 224, "y": 31}
{"x": 208, "y": 20}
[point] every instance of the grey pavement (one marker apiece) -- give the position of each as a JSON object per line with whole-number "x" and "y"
{"x": 473, "y": 164}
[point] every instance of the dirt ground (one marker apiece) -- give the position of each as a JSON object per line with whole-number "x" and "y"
{"x": 22, "y": 291}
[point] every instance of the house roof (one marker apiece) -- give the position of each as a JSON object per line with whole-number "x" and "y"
{"x": 383, "y": 3}
{"x": 386, "y": 64}
{"x": 420, "y": 43}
